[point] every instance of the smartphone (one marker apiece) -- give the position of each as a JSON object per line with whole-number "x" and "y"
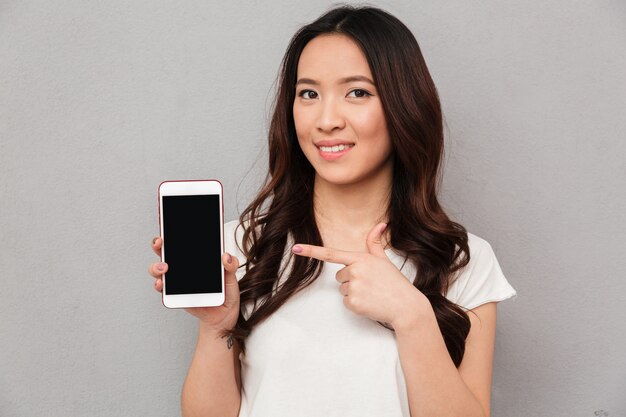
{"x": 191, "y": 217}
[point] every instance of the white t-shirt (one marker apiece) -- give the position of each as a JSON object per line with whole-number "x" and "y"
{"x": 314, "y": 357}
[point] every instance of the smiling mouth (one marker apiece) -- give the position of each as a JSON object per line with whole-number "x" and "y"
{"x": 336, "y": 148}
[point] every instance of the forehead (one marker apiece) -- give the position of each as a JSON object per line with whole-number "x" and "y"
{"x": 332, "y": 56}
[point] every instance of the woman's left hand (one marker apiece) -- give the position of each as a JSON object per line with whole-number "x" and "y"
{"x": 371, "y": 284}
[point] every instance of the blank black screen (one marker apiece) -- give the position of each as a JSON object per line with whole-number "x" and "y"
{"x": 191, "y": 239}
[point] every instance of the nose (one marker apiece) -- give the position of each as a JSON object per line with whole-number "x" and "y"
{"x": 330, "y": 117}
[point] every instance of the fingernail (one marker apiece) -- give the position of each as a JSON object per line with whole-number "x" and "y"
{"x": 229, "y": 259}
{"x": 383, "y": 227}
{"x": 297, "y": 249}
{"x": 154, "y": 240}
{"x": 161, "y": 267}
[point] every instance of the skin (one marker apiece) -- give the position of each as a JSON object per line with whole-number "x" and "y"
{"x": 336, "y": 102}
{"x": 349, "y": 208}
{"x": 372, "y": 286}
{"x": 340, "y": 103}
{"x": 213, "y": 383}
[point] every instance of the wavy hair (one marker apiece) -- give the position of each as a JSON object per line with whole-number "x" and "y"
{"x": 282, "y": 212}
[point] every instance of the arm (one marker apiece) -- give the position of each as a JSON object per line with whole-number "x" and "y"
{"x": 213, "y": 383}
{"x": 435, "y": 386}
{"x": 373, "y": 287}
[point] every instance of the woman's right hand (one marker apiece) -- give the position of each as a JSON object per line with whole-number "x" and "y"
{"x": 218, "y": 318}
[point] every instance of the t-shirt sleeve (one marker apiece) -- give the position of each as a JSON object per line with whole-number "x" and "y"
{"x": 482, "y": 280}
{"x": 233, "y": 236}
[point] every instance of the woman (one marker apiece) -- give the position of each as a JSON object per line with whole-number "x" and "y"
{"x": 359, "y": 296}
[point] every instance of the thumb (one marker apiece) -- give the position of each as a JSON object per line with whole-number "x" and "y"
{"x": 374, "y": 240}
{"x": 231, "y": 286}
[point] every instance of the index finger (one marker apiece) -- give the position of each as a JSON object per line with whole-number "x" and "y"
{"x": 327, "y": 254}
{"x": 157, "y": 242}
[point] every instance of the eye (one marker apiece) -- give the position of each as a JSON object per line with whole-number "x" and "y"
{"x": 359, "y": 93}
{"x": 307, "y": 94}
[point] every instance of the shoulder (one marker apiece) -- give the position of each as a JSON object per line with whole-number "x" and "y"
{"x": 480, "y": 250}
{"x": 233, "y": 232}
{"x": 233, "y": 238}
{"x": 481, "y": 280}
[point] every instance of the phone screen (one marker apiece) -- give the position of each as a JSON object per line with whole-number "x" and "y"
{"x": 192, "y": 244}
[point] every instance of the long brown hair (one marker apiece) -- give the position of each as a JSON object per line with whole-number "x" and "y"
{"x": 283, "y": 211}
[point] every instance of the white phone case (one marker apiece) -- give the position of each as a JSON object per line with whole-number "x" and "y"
{"x": 211, "y": 298}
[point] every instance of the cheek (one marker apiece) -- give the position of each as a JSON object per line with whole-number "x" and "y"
{"x": 303, "y": 128}
{"x": 301, "y": 122}
{"x": 371, "y": 125}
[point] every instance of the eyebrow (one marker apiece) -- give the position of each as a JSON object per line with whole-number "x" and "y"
{"x": 345, "y": 80}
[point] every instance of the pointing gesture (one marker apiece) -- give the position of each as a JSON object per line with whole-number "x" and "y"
{"x": 371, "y": 284}
{"x": 337, "y": 256}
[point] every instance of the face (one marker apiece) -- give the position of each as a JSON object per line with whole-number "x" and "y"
{"x": 338, "y": 114}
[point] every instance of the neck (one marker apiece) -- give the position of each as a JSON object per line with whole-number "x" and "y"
{"x": 346, "y": 213}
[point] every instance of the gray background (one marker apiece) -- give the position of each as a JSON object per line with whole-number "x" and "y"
{"x": 100, "y": 101}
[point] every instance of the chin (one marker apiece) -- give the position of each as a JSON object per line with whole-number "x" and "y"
{"x": 337, "y": 178}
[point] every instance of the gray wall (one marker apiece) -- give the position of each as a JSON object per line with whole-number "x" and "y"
{"x": 100, "y": 101}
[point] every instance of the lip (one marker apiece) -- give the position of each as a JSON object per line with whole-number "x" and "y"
{"x": 331, "y": 156}
{"x": 333, "y": 142}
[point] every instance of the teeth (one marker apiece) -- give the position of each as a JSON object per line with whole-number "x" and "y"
{"x": 336, "y": 148}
